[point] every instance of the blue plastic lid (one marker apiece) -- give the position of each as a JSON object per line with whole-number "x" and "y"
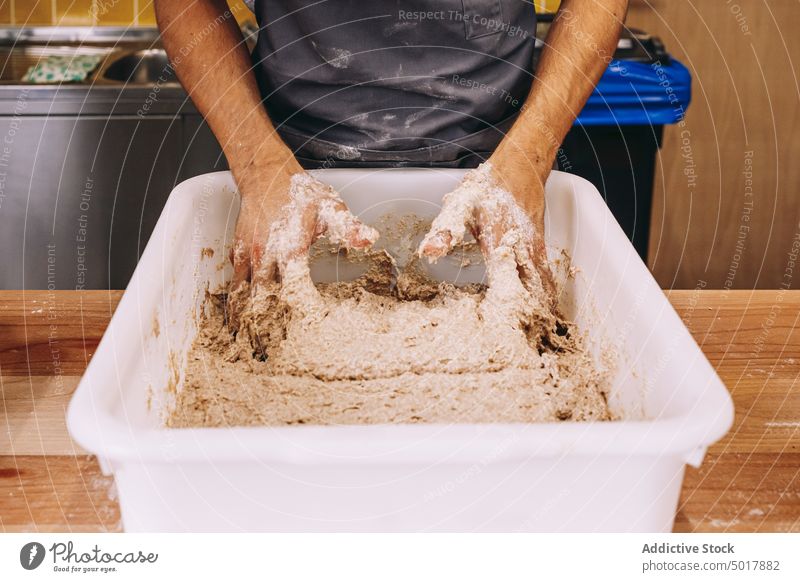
{"x": 634, "y": 93}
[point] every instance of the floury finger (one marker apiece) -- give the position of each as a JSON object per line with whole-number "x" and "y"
{"x": 450, "y": 226}
{"x": 340, "y": 226}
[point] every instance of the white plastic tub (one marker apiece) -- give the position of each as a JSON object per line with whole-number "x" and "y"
{"x": 614, "y": 476}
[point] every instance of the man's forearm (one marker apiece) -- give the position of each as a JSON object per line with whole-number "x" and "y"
{"x": 578, "y": 48}
{"x": 207, "y": 50}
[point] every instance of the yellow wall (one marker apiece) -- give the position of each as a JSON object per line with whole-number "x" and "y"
{"x": 87, "y": 12}
{"x": 546, "y": 5}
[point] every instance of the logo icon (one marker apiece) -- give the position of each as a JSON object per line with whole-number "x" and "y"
{"x": 31, "y": 555}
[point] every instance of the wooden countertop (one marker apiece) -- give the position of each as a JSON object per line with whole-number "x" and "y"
{"x": 750, "y": 481}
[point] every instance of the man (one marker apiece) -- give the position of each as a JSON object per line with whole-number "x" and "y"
{"x": 381, "y": 83}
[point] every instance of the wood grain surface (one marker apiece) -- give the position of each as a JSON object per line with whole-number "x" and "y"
{"x": 750, "y": 481}
{"x": 741, "y": 130}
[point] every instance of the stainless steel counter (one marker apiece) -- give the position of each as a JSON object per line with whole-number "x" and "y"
{"x": 85, "y": 168}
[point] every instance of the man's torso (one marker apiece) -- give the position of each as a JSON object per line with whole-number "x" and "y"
{"x": 409, "y": 82}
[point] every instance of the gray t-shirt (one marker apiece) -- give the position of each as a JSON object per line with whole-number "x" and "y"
{"x": 395, "y": 82}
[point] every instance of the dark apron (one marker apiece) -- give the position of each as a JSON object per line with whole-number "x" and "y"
{"x": 394, "y": 82}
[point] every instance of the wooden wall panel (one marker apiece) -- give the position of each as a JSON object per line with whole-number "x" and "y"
{"x": 719, "y": 228}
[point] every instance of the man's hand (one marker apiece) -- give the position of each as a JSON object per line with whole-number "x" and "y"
{"x": 284, "y": 210}
{"x": 497, "y": 216}
{"x": 578, "y": 48}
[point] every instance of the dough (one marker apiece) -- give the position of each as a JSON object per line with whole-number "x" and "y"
{"x": 386, "y": 349}
{"x": 391, "y": 347}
